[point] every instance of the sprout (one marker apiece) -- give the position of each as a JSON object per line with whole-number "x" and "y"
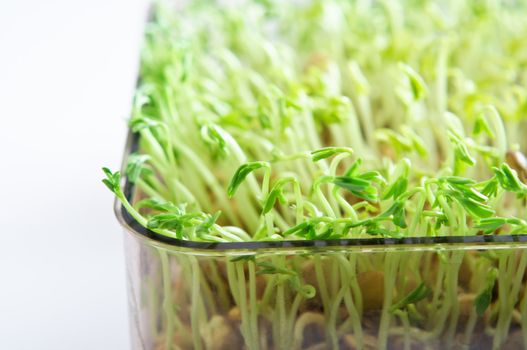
{"x": 240, "y": 175}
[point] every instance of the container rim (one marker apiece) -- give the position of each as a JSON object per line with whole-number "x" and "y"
{"x": 131, "y": 225}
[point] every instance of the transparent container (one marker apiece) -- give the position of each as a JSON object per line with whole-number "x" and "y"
{"x": 410, "y": 293}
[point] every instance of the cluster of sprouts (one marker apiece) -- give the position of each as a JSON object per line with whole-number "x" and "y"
{"x": 277, "y": 120}
{"x": 274, "y": 120}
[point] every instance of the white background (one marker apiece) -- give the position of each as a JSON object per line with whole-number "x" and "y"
{"x": 67, "y": 72}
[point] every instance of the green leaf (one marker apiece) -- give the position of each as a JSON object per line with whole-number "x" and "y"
{"x": 491, "y": 224}
{"x": 328, "y": 233}
{"x": 475, "y": 208}
{"x": 298, "y": 230}
{"x": 271, "y": 199}
{"x": 460, "y": 149}
{"x": 353, "y": 168}
{"x": 373, "y": 227}
{"x": 113, "y": 180}
{"x": 311, "y": 232}
{"x": 396, "y": 210}
{"x": 440, "y": 221}
{"x": 462, "y": 154}
{"x": 307, "y": 228}
{"x": 359, "y": 187}
{"x": 214, "y": 139}
{"x": 482, "y": 126}
{"x": 207, "y": 224}
{"x": 416, "y": 295}
{"x": 372, "y": 176}
{"x": 417, "y": 84}
{"x": 483, "y": 299}
{"x": 177, "y": 222}
{"x": 240, "y": 175}
{"x": 396, "y": 189}
{"x": 399, "y": 219}
{"x": 458, "y": 180}
{"x": 327, "y": 152}
{"x": 275, "y": 194}
{"x": 476, "y": 195}
{"x": 351, "y": 183}
{"x": 509, "y": 180}
{"x": 520, "y": 229}
{"x": 491, "y": 188}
